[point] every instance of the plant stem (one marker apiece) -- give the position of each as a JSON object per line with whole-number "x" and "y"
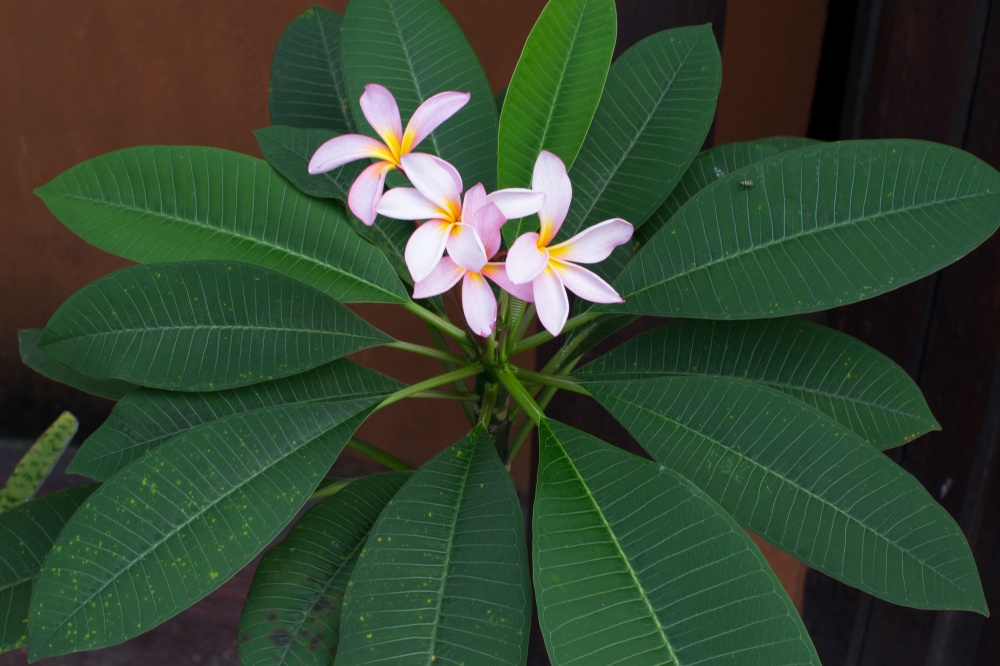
{"x": 524, "y": 430}
{"x": 442, "y": 325}
{"x": 332, "y": 489}
{"x": 522, "y": 325}
{"x": 558, "y": 381}
{"x": 458, "y": 384}
{"x": 520, "y": 394}
{"x": 375, "y": 453}
{"x": 545, "y": 336}
{"x": 488, "y": 403}
{"x": 430, "y": 352}
{"x": 433, "y": 382}
{"x": 464, "y": 396}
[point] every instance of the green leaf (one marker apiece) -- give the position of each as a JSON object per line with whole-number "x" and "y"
{"x": 146, "y": 418}
{"x": 289, "y": 149}
{"x": 307, "y": 84}
{"x": 178, "y": 523}
{"x": 820, "y": 226}
{"x": 36, "y": 465}
{"x": 708, "y": 167}
{"x": 292, "y": 612}
{"x": 45, "y": 365}
{"x": 804, "y": 483}
{"x": 444, "y": 575}
{"x": 158, "y": 204}
{"x": 633, "y": 564}
{"x": 26, "y": 535}
{"x": 555, "y": 89}
{"x": 654, "y": 115}
{"x": 828, "y": 371}
{"x": 416, "y": 50}
{"x": 205, "y": 325}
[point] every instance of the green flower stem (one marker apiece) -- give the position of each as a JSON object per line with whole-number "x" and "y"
{"x": 520, "y": 394}
{"x": 526, "y": 426}
{"x": 458, "y": 385}
{"x": 488, "y": 404}
{"x": 419, "y": 387}
{"x": 442, "y": 325}
{"x": 522, "y": 325}
{"x": 375, "y": 453}
{"x": 332, "y": 489}
{"x": 545, "y": 336}
{"x": 430, "y": 352}
{"x": 558, "y": 381}
{"x": 464, "y": 396}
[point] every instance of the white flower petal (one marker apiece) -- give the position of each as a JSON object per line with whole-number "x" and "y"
{"x": 487, "y": 221}
{"x": 425, "y": 248}
{"x": 379, "y": 107}
{"x": 406, "y": 203}
{"x": 584, "y": 283}
{"x": 340, "y": 150}
{"x": 436, "y": 180}
{"x": 366, "y": 192}
{"x": 551, "y": 301}
{"x": 595, "y": 243}
{"x": 443, "y": 277}
{"x": 466, "y": 248}
{"x": 498, "y": 273}
{"x": 434, "y": 111}
{"x": 549, "y": 176}
{"x": 525, "y": 261}
{"x": 517, "y": 202}
{"x": 479, "y": 304}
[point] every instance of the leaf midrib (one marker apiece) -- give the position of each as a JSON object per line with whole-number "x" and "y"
{"x": 348, "y": 118}
{"x": 621, "y": 552}
{"x": 785, "y": 480}
{"x": 176, "y": 529}
{"x": 226, "y": 233}
{"x": 208, "y": 327}
{"x": 830, "y": 228}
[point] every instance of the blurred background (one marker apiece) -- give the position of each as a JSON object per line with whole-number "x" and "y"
{"x": 84, "y": 78}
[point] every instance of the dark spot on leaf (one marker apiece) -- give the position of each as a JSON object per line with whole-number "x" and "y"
{"x": 280, "y": 638}
{"x": 244, "y": 637}
{"x": 272, "y": 617}
{"x": 312, "y": 581}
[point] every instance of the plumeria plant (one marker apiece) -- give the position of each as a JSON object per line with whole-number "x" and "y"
{"x": 225, "y": 347}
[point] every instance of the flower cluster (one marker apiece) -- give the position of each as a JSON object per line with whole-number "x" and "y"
{"x": 468, "y": 227}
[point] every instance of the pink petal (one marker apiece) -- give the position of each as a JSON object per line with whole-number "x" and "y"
{"x": 425, "y": 248}
{"x": 584, "y": 283}
{"x": 367, "y": 191}
{"x": 517, "y": 202}
{"x": 595, "y": 243}
{"x": 436, "y": 180}
{"x": 525, "y": 261}
{"x": 340, "y": 150}
{"x": 550, "y": 177}
{"x": 379, "y": 107}
{"x": 475, "y": 198}
{"x": 466, "y": 248}
{"x": 551, "y": 302}
{"x": 479, "y": 304}
{"x": 430, "y": 114}
{"x": 498, "y": 273}
{"x": 406, "y": 203}
{"x": 487, "y": 222}
{"x": 441, "y": 279}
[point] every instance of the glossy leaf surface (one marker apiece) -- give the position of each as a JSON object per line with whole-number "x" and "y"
{"x": 555, "y": 86}
{"x": 416, "y": 50}
{"x": 804, "y": 483}
{"x": 828, "y": 371}
{"x": 43, "y": 364}
{"x": 207, "y": 325}
{"x": 289, "y": 149}
{"x": 158, "y": 204}
{"x": 26, "y": 535}
{"x": 444, "y": 575}
{"x": 820, "y": 226}
{"x": 307, "y": 83}
{"x": 185, "y": 518}
{"x": 633, "y": 564}
{"x": 711, "y": 165}
{"x": 146, "y": 418}
{"x": 292, "y": 612}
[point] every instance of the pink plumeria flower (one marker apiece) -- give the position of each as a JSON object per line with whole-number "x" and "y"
{"x": 379, "y": 107}
{"x": 478, "y": 302}
{"x": 553, "y": 270}
{"x": 437, "y": 198}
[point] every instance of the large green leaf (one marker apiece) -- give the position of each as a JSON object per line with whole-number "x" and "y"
{"x": 444, "y": 575}
{"x": 26, "y": 535}
{"x": 156, "y": 204}
{"x": 416, "y": 50}
{"x": 654, "y": 115}
{"x": 292, "y": 612}
{"x": 37, "y": 463}
{"x": 633, "y": 564}
{"x": 555, "y": 86}
{"x": 178, "y": 523}
{"x": 146, "y": 418}
{"x": 708, "y": 167}
{"x": 289, "y": 149}
{"x": 804, "y": 483}
{"x": 45, "y": 365}
{"x": 819, "y": 226}
{"x": 848, "y": 381}
{"x": 201, "y": 326}
{"x": 307, "y": 84}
